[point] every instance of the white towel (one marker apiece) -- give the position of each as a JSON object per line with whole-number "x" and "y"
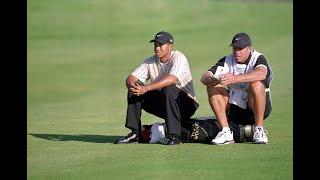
{"x": 157, "y": 133}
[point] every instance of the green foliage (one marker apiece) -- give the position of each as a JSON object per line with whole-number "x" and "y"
{"x": 79, "y": 54}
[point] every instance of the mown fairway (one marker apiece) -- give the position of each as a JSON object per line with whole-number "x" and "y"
{"x": 81, "y": 51}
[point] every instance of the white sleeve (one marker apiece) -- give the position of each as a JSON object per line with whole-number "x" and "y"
{"x": 142, "y": 72}
{"x": 179, "y": 64}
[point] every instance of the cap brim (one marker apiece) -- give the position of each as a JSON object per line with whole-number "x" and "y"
{"x": 237, "y": 45}
{"x": 154, "y": 40}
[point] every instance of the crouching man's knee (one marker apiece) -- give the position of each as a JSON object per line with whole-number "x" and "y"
{"x": 171, "y": 90}
{"x": 256, "y": 87}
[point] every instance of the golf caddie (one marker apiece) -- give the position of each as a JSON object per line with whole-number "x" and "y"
{"x": 162, "y": 85}
{"x": 238, "y": 88}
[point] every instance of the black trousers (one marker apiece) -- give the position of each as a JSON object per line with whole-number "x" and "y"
{"x": 170, "y": 103}
{"x": 246, "y": 116}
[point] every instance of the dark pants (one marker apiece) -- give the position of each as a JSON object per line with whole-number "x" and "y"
{"x": 170, "y": 103}
{"x": 246, "y": 116}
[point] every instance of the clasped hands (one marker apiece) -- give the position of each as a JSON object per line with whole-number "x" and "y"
{"x": 137, "y": 89}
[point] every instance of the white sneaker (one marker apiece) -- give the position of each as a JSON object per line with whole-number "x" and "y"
{"x": 223, "y": 137}
{"x": 260, "y": 136}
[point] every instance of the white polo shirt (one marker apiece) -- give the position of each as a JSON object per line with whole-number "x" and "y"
{"x": 153, "y": 69}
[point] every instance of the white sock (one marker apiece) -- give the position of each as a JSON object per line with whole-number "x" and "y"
{"x": 225, "y": 129}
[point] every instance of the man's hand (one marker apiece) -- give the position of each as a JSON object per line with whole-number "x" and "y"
{"x": 138, "y": 90}
{"x": 228, "y": 78}
{"x": 208, "y": 79}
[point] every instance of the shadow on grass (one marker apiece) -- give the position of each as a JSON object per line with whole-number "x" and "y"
{"x": 79, "y": 137}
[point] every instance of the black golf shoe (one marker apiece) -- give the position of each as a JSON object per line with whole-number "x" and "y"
{"x": 130, "y": 138}
{"x": 173, "y": 141}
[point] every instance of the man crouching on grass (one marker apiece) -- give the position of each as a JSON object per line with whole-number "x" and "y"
{"x": 169, "y": 95}
{"x": 238, "y": 87}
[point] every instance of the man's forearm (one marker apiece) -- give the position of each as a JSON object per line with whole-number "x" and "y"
{"x": 258, "y": 74}
{"x": 165, "y": 81}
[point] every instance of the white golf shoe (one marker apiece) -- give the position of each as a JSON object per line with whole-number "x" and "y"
{"x": 223, "y": 137}
{"x": 260, "y": 136}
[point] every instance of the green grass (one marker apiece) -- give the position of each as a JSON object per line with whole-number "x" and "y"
{"x": 79, "y": 54}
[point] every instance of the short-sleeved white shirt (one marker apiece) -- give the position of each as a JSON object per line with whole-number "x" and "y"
{"x": 153, "y": 69}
